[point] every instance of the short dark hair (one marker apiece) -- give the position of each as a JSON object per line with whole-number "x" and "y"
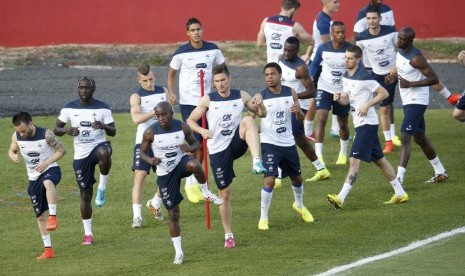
{"x": 90, "y": 80}
{"x": 191, "y": 21}
{"x": 144, "y": 69}
{"x": 21, "y": 117}
{"x": 220, "y": 69}
{"x": 290, "y": 4}
{"x": 337, "y": 23}
{"x": 273, "y": 65}
{"x": 357, "y": 51}
{"x": 293, "y": 41}
{"x": 373, "y": 9}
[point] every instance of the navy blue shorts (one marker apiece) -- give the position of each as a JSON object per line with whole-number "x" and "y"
{"x": 414, "y": 120}
{"x": 85, "y": 168}
{"x": 461, "y": 103}
{"x": 298, "y": 126}
{"x": 391, "y": 89}
{"x": 366, "y": 145}
{"x": 37, "y": 191}
{"x": 324, "y": 100}
{"x": 170, "y": 184}
{"x": 286, "y": 158}
{"x": 139, "y": 164}
{"x": 186, "y": 111}
{"x": 222, "y": 162}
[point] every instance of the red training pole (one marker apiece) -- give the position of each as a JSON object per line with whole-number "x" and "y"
{"x": 205, "y": 157}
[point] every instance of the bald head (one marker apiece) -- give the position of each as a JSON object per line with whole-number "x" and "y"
{"x": 164, "y": 106}
{"x": 408, "y": 32}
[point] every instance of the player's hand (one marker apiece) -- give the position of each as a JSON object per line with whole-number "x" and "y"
{"x": 14, "y": 157}
{"x": 336, "y": 96}
{"x": 98, "y": 125}
{"x": 257, "y": 99}
{"x": 41, "y": 167}
{"x": 184, "y": 147}
{"x": 172, "y": 97}
{"x": 73, "y": 131}
{"x": 363, "y": 110}
{"x": 155, "y": 161}
{"x": 461, "y": 55}
{"x": 404, "y": 83}
{"x": 206, "y": 134}
{"x": 390, "y": 78}
{"x": 295, "y": 108}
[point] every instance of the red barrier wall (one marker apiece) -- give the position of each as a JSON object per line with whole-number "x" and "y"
{"x": 52, "y": 22}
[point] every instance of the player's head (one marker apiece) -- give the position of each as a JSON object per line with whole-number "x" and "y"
{"x": 272, "y": 72}
{"x": 405, "y": 38}
{"x": 376, "y": 3}
{"x": 290, "y": 5}
{"x": 194, "y": 30}
{"x": 86, "y": 88}
{"x": 331, "y": 6}
{"x": 291, "y": 48}
{"x": 146, "y": 78}
{"x": 221, "y": 78}
{"x": 164, "y": 113}
{"x": 23, "y": 124}
{"x": 338, "y": 32}
{"x": 373, "y": 17}
{"x": 352, "y": 57}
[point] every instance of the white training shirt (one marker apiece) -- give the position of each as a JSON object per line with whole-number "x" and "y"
{"x": 412, "y": 95}
{"x": 224, "y": 116}
{"x": 82, "y": 117}
{"x": 288, "y": 78}
{"x": 277, "y": 29}
{"x": 148, "y": 101}
{"x": 189, "y": 61}
{"x": 360, "y": 88}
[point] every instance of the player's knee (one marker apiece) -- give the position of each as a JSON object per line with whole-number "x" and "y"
{"x": 103, "y": 154}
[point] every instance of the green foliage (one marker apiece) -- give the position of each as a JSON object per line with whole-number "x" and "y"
{"x": 363, "y": 228}
{"x": 447, "y": 49}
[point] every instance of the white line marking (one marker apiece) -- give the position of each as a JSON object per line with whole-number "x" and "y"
{"x": 96, "y": 67}
{"x": 412, "y": 246}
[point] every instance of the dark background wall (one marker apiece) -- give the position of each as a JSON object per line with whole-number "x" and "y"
{"x": 53, "y": 22}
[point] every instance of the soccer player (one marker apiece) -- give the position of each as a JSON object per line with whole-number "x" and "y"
{"x": 415, "y": 76}
{"x": 378, "y": 44}
{"x": 295, "y": 75}
{"x": 89, "y": 120}
{"x": 330, "y": 55}
{"x": 277, "y": 142}
{"x": 142, "y": 103}
{"x": 40, "y": 150}
{"x": 321, "y": 34}
{"x": 189, "y": 59}
{"x": 229, "y": 135}
{"x": 459, "y": 110}
{"x": 166, "y": 139}
{"x": 358, "y": 89}
{"x": 274, "y": 30}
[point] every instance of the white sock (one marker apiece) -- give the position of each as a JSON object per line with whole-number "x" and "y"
{"x": 204, "y": 189}
{"x": 87, "y": 226}
{"x": 280, "y": 173}
{"x": 156, "y": 201}
{"x": 298, "y": 193}
{"x": 265, "y": 203}
{"x": 308, "y": 127}
{"x": 317, "y": 164}
{"x": 177, "y": 245}
{"x": 393, "y": 130}
{"x": 387, "y": 135}
{"x": 255, "y": 160}
{"x": 52, "y": 209}
{"x": 189, "y": 181}
{"x": 137, "y": 210}
{"x": 445, "y": 92}
{"x": 47, "y": 240}
{"x": 437, "y": 166}
{"x": 334, "y": 123}
{"x": 344, "y": 146}
{"x": 319, "y": 149}
{"x": 102, "y": 185}
{"x": 228, "y": 235}
{"x": 401, "y": 173}
{"x": 398, "y": 190}
{"x": 344, "y": 191}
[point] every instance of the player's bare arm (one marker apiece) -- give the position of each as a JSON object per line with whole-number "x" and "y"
{"x": 61, "y": 130}
{"x": 195, "y": 116}
{"x": 192, "y": 143}
{"x": 254, "y": 104}
{"x": 110, "y": 129}
{"x": 261, "y": 40}
{"x": 461, "y": 57}
{"x": 147, "y": 140}
{"x": 341, "y": 97}
{"x": 14, "y": 149}
{"x": 295, "y": 107}
{"x": 303, "y": 75}
{"x": 419, "y": 62}
{"x": 58, "y": 147}
{"x": 306, "y": 39}
{"x": 136, "y": 115}
{"x": 380, "y": 95}
{"x": 171, "y": 79}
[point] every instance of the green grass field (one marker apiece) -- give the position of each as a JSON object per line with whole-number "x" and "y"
{"x": 365, "y": 227}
